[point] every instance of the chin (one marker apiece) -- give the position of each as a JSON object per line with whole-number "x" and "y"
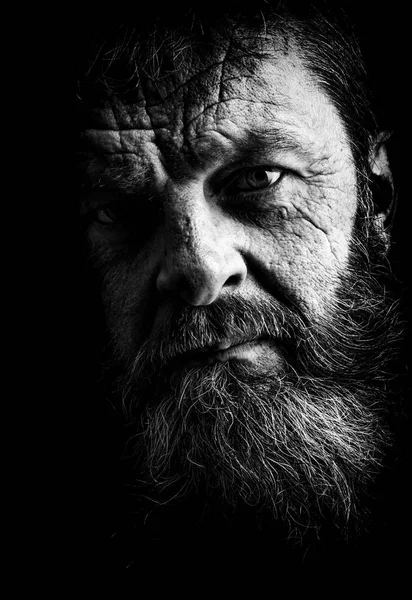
{"x": 300, "y": 452}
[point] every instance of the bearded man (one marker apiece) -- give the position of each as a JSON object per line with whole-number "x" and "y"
{"x": 236, "y": 200}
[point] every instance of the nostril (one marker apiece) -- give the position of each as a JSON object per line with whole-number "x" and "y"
{"x": 234, "y": 280}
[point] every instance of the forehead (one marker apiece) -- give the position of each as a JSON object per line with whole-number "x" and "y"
{"x": 205, "y": 109}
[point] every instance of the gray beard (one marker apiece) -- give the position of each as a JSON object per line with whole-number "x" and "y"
{"x": 302, "y": 443}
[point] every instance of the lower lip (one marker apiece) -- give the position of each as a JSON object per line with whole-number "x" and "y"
{"x": 250, "y": 351}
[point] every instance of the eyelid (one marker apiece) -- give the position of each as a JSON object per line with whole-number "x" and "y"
{"x": 107, "y": 220}
{"x": 236, "y": 175}
{"x": 112, "y": 211}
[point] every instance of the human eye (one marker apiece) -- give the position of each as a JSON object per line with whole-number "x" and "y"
{"x": 111, "y": 215}
{"x": 123, "y": 222}
{"x": 253, "y": 179}
{"x": 102, "y": 206}
{"x": 255, "y": 194}
{"x": 110, "y": 210}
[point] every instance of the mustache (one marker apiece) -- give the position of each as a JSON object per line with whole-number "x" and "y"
{"x": 356, "y": 338}
{"x": 230, "y": 321}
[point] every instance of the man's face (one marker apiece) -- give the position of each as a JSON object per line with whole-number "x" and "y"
{"x": 238, "y": 184}
{"x": 223, "y": 223}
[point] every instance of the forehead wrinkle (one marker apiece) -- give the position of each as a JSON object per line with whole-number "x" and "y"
{"x": 221, "y": 102}
{"x": 246, "y": 89}
{"x": 183, "y": 85}
{"x": 178, "y": 100}
{"x": 272, "y": 115}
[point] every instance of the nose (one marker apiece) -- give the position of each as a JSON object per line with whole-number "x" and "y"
{"x": 200, "y": 257}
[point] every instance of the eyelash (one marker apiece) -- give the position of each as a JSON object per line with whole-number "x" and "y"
{"x": 101, "y": 220}
{"x": 102, "y": 216}
{"x": 259, "y": 199}
{"x": 250, "y": 171}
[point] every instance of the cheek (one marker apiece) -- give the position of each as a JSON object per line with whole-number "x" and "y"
{"x": 304, "y": 260}
{"x": 128, "y": 294}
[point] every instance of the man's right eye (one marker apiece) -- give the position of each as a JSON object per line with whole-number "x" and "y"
{"x": 127, "y": 222}
{"x": 117, "y": 213}
{"x": 107, "y": 216}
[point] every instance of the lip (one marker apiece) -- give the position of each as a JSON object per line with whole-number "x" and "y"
{"x": 239, "y": 351}
{"x": 228, "y": 350}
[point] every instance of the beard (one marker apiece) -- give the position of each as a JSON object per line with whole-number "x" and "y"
{"x": 301, "y": 439}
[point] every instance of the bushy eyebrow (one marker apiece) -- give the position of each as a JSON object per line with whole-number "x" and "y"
{"x": 256, "y": 145}
{"x": 272, "y": 140}
{"x": 123, "y": 173}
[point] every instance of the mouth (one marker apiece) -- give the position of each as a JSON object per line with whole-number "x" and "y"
{"x": 247, "y": 350}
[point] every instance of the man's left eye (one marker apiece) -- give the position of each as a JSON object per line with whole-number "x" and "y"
{"x": 256, "y": 178}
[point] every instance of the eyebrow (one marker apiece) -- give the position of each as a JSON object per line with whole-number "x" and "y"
{"x": 123, "y": 174}
{"x": 274, "y": 139}
{"x": 258, "y": 144}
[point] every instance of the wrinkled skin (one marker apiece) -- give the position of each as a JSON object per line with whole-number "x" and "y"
{"x": 231, "y": 182}
{"x": 205, "y": 240}
{"x": 170, "y": 228}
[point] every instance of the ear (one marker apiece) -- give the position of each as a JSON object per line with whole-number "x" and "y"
{"x": 382, "y": 183}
